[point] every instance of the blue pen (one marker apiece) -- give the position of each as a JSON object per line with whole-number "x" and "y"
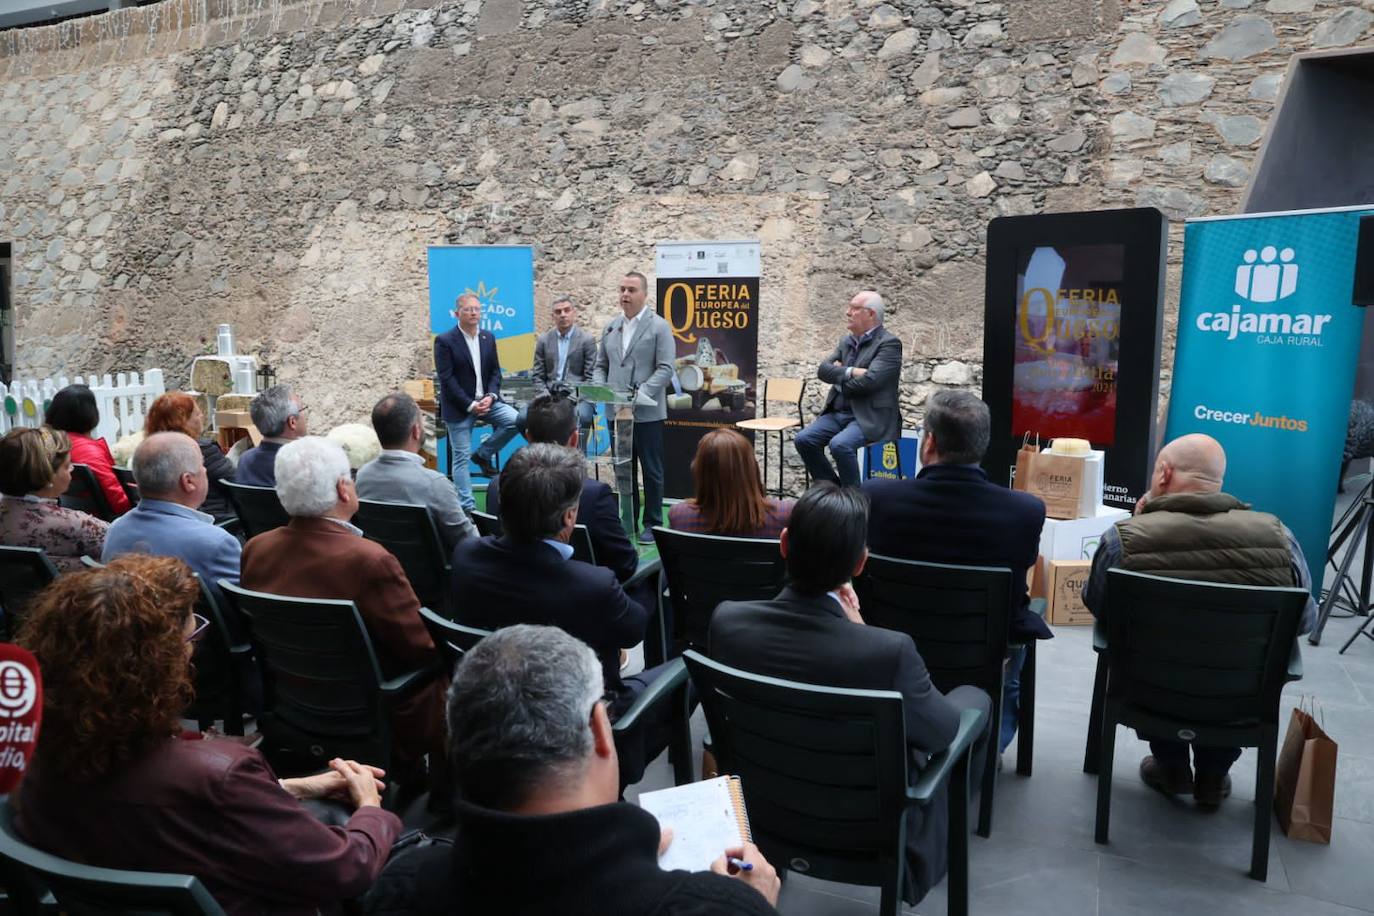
{"x": 741, "y": 864}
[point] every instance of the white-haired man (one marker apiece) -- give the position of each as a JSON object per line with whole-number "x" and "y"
{"x": 535, "y": 763}
{"x": 321, "y": 555}
{"x": 861, "y": 408}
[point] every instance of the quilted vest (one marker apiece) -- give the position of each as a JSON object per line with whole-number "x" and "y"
{"x": 1210, "y": 537}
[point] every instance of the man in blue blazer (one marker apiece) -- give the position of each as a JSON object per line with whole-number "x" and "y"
{"x": 172, "y": 481}
{"x": 470, "y": 393}
{"x": 952, "y": 513}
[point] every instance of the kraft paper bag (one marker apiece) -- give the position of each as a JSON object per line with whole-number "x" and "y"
{"x": 1056, "y": 479}
{"x": 1305, "y": 780}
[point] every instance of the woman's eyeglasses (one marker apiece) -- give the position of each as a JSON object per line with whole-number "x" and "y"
{"x": 199, "y": 631}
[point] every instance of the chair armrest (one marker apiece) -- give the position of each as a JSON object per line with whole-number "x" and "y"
{"x": 242, "y": 650}
{"x": 232, "y": 525}
{"x": 938, "y": 769}
{"x": 1295, "y": 662}
{"x": 1099, "y": 636}
{"x": 644, "y": 571}
{"x": 397, "y": 687}
{"x": 664, "y": 686}
{"x": 1038, "y": 606}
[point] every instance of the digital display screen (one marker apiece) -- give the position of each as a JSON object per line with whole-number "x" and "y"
{"x": 1068, "y": 342}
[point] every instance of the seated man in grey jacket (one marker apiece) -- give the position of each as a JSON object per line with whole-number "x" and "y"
{"x": 399, "y": 475}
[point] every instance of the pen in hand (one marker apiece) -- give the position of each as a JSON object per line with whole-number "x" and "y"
{"x": 741, "y": 864}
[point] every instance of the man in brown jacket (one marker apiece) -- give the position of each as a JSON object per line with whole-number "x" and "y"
{"x": 321, "y": 555}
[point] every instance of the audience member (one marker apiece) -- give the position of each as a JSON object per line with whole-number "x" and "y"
{"x": 554, "y": 419}
{"x": 863, "y": 372}
{"x": 35, "y": 469}
{"x": 528, "y": 576}
{"x": 813, "y": 632}
{"x": 729, "y": 498}
{"x": 952, "y": 513}
{"x": 172, "y": 482}
{"x": 563, "y": 354}
{"x": 178, "y": 412}
{"x": 399, "y": 474}
{"x": 320, "y": 555}
{"x": 111, "y": 785}
{"x": 469, "y": 370}
{"x": 73, "y": 411}
{"x": 1187, "y": 528}
{"x": 280, "y": 417}
{"x": 536, "y": 765}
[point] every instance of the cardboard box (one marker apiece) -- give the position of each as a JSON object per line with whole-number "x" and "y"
{"x": 1064, "y": 581}
{"x": 1077, "y": 538}
{"x": 233, "y": 425}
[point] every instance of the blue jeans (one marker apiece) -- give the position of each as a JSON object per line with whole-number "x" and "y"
{"x": 1011, "y": 697}
{"x": 501, "y": 417}
{"x": 840, "y": 431}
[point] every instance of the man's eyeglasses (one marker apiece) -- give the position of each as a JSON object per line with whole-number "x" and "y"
{"x": 201, "y": 624}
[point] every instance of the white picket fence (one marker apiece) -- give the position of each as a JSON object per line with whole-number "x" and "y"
{"x": 123, "y": 401}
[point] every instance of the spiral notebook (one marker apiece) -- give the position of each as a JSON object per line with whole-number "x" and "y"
{"x": 706, "y": 818}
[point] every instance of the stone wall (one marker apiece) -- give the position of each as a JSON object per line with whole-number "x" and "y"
{"x": 284, "y": 167}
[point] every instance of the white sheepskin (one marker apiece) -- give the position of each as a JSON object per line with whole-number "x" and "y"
{"x": 359, "y": 442}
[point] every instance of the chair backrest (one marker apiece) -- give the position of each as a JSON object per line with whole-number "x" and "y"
{"x": 85, "y": 889}
{"x": 702, "y": 570}
{"x": 455, "y": 637}
{"x": 125, "y": 476}
{"x": 258, "y": 508}
{"x": 84, "y": 494}
{"x": 488, "y": 525}
{"x": 783, "y": 389}
{"x": 217, "y": 673}
{"x": 1200, "y": 652}
{"x": 823, "y": 769}
{"x": 321, "y": 682}
{"x": 582, "y": 545}
{"x": 408, "y": 531}
{"x": 24, "y": 572}
{"x": 958, "y": 616}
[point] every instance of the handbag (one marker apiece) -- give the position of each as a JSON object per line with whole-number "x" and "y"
{"x": 1056, "y": 479}
{"x": 1305, "y": 778}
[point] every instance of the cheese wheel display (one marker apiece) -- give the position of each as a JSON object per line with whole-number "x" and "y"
{"x": 1074, "y": 448}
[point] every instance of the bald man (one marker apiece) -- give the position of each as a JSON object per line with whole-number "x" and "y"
{"x": 172, "y": 483}
{"x": 1185, "y": 527}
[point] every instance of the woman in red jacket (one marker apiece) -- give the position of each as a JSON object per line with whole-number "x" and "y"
{"x": 74, "y": 412}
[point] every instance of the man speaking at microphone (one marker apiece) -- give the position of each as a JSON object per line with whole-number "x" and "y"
{"x": 861, "y": 408}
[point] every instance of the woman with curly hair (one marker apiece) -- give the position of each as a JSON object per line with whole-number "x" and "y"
{"x": 35, "y": 469}
{"x": 729, "y": 499}
{"x": 74, "y": 411}
{"x": 112, "y": 783}
{"x": 178, "y": 412}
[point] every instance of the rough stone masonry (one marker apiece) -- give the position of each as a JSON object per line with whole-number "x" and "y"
{"x": 283, "y": 166}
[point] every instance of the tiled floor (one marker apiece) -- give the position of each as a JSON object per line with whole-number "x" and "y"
{"x": 1165, "y": 856}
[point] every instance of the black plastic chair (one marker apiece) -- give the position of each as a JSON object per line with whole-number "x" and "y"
{"x": 581, "y": 542}
{"x": 1203, "y": 661}
{"x": 24, "y": 572}
{"x": 125, "y": 476}
{"x": 85, "y": 890}
{"x": 958, "y": 616}
{"x": 824, "y": 774}
{"x": 408, "y": 531}
{"x": 454, "y": 639}
{"x": 702, "y": 570}
{"x": 324, "y": 695}
{"x": 225, "y": 671}
{"x": 84, "y": 494}
{"x": 488, "y": 525}
{"x": 258, "y": 508}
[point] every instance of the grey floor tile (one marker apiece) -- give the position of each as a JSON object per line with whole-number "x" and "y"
{"x": 1128, "y": 888}
{"x": 1341, "y": 872}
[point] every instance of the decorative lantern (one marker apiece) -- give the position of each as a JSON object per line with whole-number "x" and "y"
{"x": 267, "y": 377}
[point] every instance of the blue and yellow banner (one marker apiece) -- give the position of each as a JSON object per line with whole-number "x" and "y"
{"x": 1267, "y": 347}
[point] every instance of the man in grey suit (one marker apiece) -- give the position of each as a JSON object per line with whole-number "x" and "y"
{"x": 863, "y": 372}
{"x": 637, "y": 352}
{"x": 399, "y": 475}
{"x": 566, "y": 354}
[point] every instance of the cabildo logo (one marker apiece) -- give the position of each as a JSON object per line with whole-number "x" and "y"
{"x": 1274, "y": 277}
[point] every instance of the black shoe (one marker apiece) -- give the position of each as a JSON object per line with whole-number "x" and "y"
{"x": 485, "y": 466}
{"x": 1169, "y": 780}
{"x": 646, "y": 536}
{"x": 1210, "y": 788}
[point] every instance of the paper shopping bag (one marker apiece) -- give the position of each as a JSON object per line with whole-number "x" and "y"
{"x": 1305, "y": 780}
{"x": 1056, "y": 479}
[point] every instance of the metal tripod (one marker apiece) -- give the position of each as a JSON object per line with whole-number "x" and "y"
{"x": 1353, "y": 526}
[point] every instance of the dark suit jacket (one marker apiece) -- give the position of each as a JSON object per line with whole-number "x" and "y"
{"x": 316, "y": 558}
{"x": 498, "y": 582}
{"x": 457, "y": 380}
{"x": 872, "y": 397}
{"x": 810, "y": 640}
{"x": 212, "y": 809}
{"x": 581, "y": 359}
{"x": 954, "y": 514}
{"x": 600, "y": 512}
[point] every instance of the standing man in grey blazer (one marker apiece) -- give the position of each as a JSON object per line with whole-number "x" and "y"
{"x": 861, "y": 408}
{"x": 566, "y": 354}
{"x": 636, "y": 352}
